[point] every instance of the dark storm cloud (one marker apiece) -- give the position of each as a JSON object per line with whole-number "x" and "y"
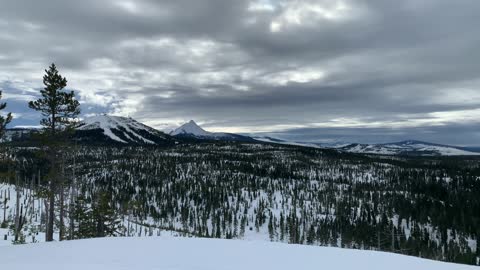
{"x": 378, "y": 68}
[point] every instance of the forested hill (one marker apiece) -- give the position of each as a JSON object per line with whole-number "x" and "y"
{"x": 426, "y": 207}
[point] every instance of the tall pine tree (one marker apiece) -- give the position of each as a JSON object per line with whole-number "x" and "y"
{"x": 59, "y": 109}
{"x": 57, "y": 106}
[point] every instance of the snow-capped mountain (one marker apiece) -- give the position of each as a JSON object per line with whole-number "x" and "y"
{"x": 116, "y": 129}
{"x": 191, "y": 130}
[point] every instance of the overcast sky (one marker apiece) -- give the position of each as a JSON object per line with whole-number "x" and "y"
{"x": 365, "y": 71}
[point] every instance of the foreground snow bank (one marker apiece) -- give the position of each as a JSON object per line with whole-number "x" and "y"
{"x": 206, "y": 254}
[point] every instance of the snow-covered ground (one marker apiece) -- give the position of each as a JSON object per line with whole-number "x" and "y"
{"x": 171, "y": 253}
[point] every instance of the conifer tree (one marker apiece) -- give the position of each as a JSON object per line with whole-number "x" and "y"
{"x": 84, "y": 219}
{"x": 58, "y": 108}
{"x": 106, "y": 220}
{"x": 4, "y": 120}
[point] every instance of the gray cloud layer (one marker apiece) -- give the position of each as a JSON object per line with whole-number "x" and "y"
{"x": 327, "y": 68}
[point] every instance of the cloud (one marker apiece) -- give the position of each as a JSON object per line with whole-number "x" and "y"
{"x": 370, "y": 67}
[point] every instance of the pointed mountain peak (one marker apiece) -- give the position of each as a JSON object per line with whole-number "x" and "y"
{"x": 190, "y": 128}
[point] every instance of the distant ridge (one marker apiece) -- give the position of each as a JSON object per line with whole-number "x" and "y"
{"x": 118, "y": 130}
{"x": 407, "y": 148}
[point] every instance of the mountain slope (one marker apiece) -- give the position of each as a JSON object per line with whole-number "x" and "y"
{"x": 191, "y": 130}
{"x": 119, "y": 130}
{"x": 200, "y": 253}
{"x": 411, "y": 147}
{"x": 17, "y": 134}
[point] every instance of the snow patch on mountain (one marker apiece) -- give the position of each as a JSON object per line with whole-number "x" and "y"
{"x": 132, "y": 130}
{"x": 191, "y": 128}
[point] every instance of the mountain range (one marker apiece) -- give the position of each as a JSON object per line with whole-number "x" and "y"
{"x": 117, "y": 130}
{"x": 106, "y": 129}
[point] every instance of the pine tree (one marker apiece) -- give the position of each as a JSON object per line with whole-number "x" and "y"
{"x": 4, "y": 120}
{"x": 58, "y": 109}
{"x": 271, "y": 230}
{"x": 311, "y": 235}
{"x": 95, "y": 219}
{"x": 84, "y": 219}
{"x": 106, "y": 220}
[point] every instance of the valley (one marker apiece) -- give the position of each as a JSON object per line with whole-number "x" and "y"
{"x": 268, "y": 192}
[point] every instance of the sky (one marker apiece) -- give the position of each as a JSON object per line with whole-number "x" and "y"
{"x": 310, "y": 70}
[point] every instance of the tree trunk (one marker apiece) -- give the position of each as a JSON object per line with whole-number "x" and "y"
{"x": 31, "y": 200}
{"x": 62, "y": 213}
{"x": 378, "y": 239}
{"x": 5, "y": 207}
{"x": 45, "y": 204}
{"x": 62, "y": 204}
{"x": 51, "y": 213}
{"x": 73, "y": 196}
{"x": 17, "y": 210}
{"x": 51, "y": 209}
{"x": 40, "y": 200}
{"x": 19, "y": 225}
{"x": 393, "y": 237}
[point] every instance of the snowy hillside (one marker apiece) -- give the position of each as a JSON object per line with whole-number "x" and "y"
{"x": 407, "y": 148}
{"x": 197, "y": 253}
{"x": 192, "y": 130}
{"x": 119, "y": 130}
{"x": 15, "y": 134}
{"x": 410, "y": 147}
